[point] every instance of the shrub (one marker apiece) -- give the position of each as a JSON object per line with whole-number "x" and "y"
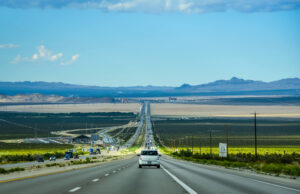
{"x": 53, "y": 164}
{"x": 4, "y": 171}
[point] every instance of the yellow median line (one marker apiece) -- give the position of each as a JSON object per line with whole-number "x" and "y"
{"x": 57, "y": 172}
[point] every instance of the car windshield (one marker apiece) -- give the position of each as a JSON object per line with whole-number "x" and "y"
{"x": 149, "y": 153}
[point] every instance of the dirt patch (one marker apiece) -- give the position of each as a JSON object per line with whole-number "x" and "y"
{"x": 67, "y": 108}
{"x": 193, "y": 110}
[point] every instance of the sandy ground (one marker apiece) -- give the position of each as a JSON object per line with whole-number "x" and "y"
{"x": 194, "y": 110}
{"x": 66, "y": 108}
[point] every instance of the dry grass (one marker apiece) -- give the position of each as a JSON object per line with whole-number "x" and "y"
{"x": 67, "y": 108}
{"x": 195, "y": 110}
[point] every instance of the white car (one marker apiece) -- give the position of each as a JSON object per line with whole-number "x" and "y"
{"x": 149, "y": 158}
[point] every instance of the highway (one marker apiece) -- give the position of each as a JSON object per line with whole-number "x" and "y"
{"x": 125, "y": 177}
{"x": 174, "y": 176}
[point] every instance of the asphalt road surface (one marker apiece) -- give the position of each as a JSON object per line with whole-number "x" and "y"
{"x": 174, "y": 177}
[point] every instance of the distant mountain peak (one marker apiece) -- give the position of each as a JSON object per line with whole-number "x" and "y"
{"x": 185, "y": 85}
{"x": 235, "y": 78}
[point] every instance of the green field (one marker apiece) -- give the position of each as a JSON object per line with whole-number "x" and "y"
{"x": 273, "y": 135}
{"x": 20, "y": 152}
{"x": 123, "y": 134}
{"x": 14, "y": 125}
{"x": 32, "y": 148}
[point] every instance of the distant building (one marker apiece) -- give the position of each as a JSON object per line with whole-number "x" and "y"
{"x": 95, "y": 137}
{"x": 81, "y": 139}
{"x": 98, "y": 143}
{"x": 172, "y": 99}
{"x": 124, "y": 100}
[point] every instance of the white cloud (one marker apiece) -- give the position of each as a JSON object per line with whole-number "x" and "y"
{"x": 4, "y": 46}
{"x": 160, "y": 6}
{"x": 75, "y": 57}
{"x": 17, "y": 59}
{"x": 72, "y": 60}
{"x": 45, "y": 55}
{"x": 55, "y": 57}
{"x": 42, "y": 50}
{"x": 35, "y": 56}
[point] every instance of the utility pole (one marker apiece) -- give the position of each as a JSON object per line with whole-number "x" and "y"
{"x": 227, "y": 139}
{"x": 192, "y": 144}
{"x": 187, "y": 143}
{"x": 181, "y": 144}
{"x": 210, "y": 142}
{"x": 174, "y": 144}
{"x": 35, "y": 132}
{"x": 255, "y": 136}
{"x": 85, "y": 128}
{"x": 200, "y": 145}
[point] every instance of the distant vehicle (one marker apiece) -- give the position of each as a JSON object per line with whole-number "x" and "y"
{"x": 91, "y": 150}
{"x": 95, "y": 151}
{"x": 98, "y": 151}
{"x": 40, "y": 159}
{"x": 68, "y": 155}
{"x": 76, "y": 157}
{"x": 52, "y": 158}
{"x": 149, "y": 158}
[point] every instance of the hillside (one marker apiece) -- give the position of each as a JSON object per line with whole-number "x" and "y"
{"x": 234, "y": 86}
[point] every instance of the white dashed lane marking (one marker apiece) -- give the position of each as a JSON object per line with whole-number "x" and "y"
{"x": 75, "y": 189}
{"x": 106, "y": 174}
{"x": 95, "y": 180}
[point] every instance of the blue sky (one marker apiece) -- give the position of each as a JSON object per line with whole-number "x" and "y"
{"x": 135, "y": 42}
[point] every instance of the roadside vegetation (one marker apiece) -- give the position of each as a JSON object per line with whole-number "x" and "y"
{"x": 277, "y": 164}
{"x": 62, "y": 164}
{"x": 17, "y": 169}
{"x": 123, "y": 134}
{"x": 189, "y": 139}
{"x": 274, "y": 135}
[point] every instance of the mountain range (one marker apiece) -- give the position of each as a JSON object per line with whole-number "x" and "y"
{"x": 234, "y": 86}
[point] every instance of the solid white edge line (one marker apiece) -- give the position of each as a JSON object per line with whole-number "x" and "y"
{"x": 264, "y": 182}
{"x": 283, "y": 187}
{"x": 75, "y": 189}
{"x": 187, "y": 188}
{"x": 267, "y": 183}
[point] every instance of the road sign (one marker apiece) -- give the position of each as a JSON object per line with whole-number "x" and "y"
{"x": 222, "y": 149}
